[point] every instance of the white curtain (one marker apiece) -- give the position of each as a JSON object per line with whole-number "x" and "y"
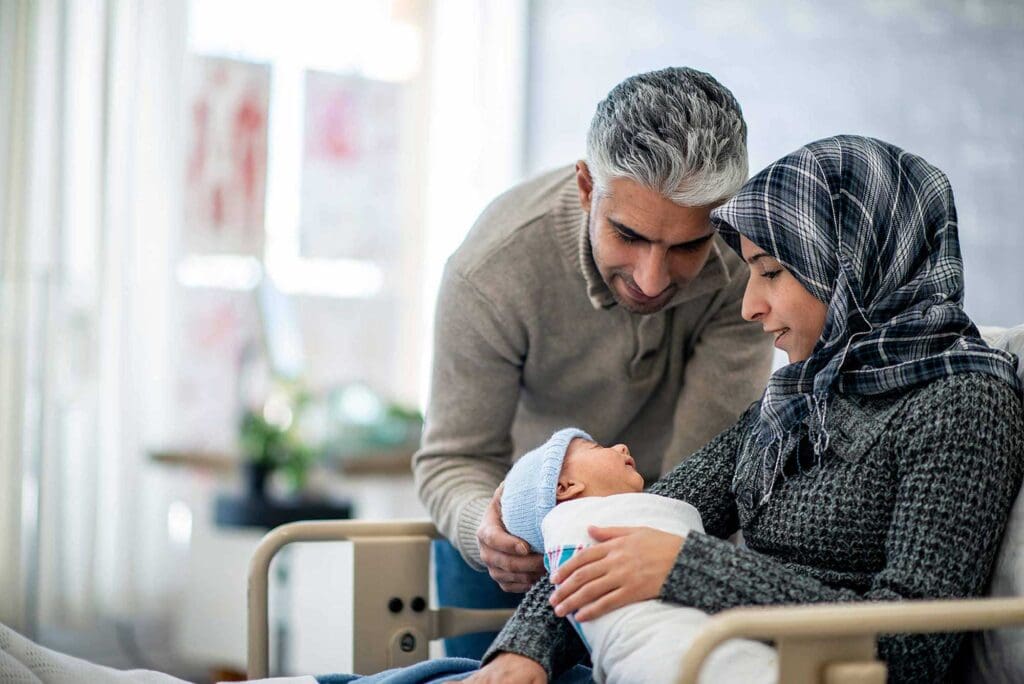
{"x": 90, "y": 162}
{"x": 476, "y": 134}
{"x": 15, "y": 293}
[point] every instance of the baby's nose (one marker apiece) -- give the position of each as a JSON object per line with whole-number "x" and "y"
{"x": 622, "y": 449}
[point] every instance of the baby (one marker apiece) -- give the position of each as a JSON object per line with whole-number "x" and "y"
{"x": 553, "y": 494}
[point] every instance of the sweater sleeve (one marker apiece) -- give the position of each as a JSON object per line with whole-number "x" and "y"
{"x": 537, "y": 633}
{"x": 727, "y": 369}
{"x": 466, "y": 447}
{"x": 960, "y": 466}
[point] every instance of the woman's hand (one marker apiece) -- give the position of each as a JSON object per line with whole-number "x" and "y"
{"x": 509, "y": 667}
{"x": 629, "y": 564}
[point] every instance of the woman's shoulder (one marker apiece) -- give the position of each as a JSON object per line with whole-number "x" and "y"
{"x": 975, "y": 402}
{"x": 981, "y": 389}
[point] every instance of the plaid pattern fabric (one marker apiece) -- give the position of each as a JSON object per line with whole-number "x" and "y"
{"x": 555, "y": 557}
{"x": 870, "y": 230}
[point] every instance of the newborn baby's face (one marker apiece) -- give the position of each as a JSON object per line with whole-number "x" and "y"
{"x": 590, "y": 469}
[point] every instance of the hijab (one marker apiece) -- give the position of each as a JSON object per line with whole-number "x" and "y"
{"x": 871, "y": 231}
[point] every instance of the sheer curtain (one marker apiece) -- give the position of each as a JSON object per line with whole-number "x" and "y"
{"x": 90, "y": 202}
{"x": 15, "y": 293}
{"x": 477, "y": 135}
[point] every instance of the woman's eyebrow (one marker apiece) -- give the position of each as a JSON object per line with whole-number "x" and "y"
{"x": 758, "y": 256}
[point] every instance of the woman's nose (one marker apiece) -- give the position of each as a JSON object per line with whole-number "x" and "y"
{"x": 754, "y": 304}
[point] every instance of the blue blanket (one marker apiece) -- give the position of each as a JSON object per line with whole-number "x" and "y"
{"x": 440, "y": 670}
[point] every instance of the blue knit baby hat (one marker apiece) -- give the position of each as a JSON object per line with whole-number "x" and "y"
{"x": 530, "y": 486}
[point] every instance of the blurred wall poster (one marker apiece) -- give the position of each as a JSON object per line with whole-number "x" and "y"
{"x": 227, "y": 156}
{"x": 218, "y": 342}
{"x": 350, "y": 173}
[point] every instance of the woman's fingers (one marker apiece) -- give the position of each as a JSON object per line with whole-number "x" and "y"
{"x": 617, "y": 598}
{"x": 580, "y": 577}
{"x": 601, "y": 534}
{"x": 587, "y": 593}
{"x": 588, "y": 555}
{"x": 630, "y": 564}
{"x": 569, "y": 593}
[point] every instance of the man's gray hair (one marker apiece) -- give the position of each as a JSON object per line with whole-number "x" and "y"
{"x": 677, "y": 131}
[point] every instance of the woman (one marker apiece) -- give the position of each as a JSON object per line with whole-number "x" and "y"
{"x": 880, "y": 464}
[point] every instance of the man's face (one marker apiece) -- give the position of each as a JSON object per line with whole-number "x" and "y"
{"x": 646, "y": 247}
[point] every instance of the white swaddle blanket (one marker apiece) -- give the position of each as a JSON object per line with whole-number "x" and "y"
{"x": 645, "y": 641}
{"x": 25, "y": 662}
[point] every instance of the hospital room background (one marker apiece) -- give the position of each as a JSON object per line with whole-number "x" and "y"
{"x": 223, "y": 223}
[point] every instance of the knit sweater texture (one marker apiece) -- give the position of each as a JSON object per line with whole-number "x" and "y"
{"x": 528, "y": 339}
{"x": 909, "y": 502}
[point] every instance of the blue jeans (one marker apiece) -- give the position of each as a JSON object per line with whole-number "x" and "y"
{"x": 460, "y": 586}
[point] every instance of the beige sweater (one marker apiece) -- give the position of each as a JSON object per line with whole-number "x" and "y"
{"x": 528, "y": 339}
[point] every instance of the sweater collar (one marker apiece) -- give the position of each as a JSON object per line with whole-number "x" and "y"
{"x": 574, "y": 236}
{"x": 855, "y": 422}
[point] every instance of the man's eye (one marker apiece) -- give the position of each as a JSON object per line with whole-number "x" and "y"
{"x": 627, "y": 239}
{"x": 771, "y": 275}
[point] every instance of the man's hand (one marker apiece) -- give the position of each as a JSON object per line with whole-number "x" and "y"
{"x": 510, "y": 667}
{"x": 629, "y": 564}
{"x": 508, "y": 559}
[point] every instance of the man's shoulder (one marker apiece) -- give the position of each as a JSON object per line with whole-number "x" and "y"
{"x": 534, "y": 196}
{"x": 515, "y": 219}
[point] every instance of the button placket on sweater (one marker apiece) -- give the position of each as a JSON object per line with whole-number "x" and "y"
{"x": 648, "y": 339}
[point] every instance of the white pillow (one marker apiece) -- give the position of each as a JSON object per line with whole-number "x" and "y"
{"x": 998, "y": 654}
{"x": 1007, "y": 339}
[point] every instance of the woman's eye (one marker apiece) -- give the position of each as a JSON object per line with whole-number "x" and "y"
{"x": 771, "y": 275}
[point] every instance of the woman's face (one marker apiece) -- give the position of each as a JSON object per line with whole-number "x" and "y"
{"x": 777, "y": 300}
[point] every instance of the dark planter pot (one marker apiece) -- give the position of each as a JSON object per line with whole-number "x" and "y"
{"x": 256, "y": 479}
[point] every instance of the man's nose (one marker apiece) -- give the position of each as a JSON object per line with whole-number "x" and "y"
{"x": 652, "y": 275}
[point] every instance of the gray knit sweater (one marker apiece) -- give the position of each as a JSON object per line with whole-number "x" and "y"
{"x": 909, "y": 502}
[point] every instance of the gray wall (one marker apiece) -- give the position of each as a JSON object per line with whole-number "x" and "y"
{"x": 941, "y": 79}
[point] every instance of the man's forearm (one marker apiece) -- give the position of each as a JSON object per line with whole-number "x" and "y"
{"x": 456, "y": 491}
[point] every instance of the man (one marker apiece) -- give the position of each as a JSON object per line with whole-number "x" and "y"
{"x": 596, "y": 296}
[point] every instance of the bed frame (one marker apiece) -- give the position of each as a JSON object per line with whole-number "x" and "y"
{"x": 393, "y": 622}
{"x": 826, "y": 643}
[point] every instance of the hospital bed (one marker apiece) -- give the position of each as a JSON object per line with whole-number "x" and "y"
{"x": 816, "y": 644}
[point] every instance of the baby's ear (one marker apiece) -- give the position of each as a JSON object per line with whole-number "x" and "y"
{"x": 568, "y": 489}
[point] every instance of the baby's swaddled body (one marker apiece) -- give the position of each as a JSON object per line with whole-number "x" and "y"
{"x": 645, "y": 641}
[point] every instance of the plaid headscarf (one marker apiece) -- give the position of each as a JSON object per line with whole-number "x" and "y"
{"x": 871, "y": 231}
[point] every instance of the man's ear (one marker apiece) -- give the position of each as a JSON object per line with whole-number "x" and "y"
{"x": 568, "y": 489}
{"x": 585, "y": 184}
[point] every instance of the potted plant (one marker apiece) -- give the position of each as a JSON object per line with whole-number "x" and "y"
{"x": 270, "y": 441}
